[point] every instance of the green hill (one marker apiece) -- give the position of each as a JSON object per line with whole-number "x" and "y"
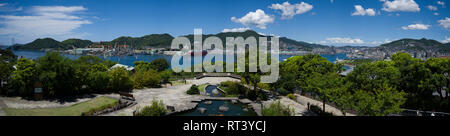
{"x": 38, "y": 44}
{"x": 153, "y": 40}
{"x": 284, "y": 42}
{"x": 417, "y": 44}
{"x": 78, "y": 43}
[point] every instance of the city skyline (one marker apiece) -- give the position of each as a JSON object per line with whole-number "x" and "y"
{"x": 327, "y": 22}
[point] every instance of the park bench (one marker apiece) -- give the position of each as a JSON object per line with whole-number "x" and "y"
{"x": 125, "y": 95}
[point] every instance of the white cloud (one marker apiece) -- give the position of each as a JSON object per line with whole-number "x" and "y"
{"x": 45, "y": 21}
{"x": 338, "y": 40}
{"x": 441, "y": 3}
{"x": 331, "y": 1}
{"x": 236, "y": 30}
{"x": 288, "y": 11}
{"x": 400, "y": 5}
{"x": 3, "y": 4}
{"x": 360, "y": 11}
{"x": 432, "y": 8}
{"x": 447, "y": 40}
{"x": 436, "y": 14}
{"x": 257, "y": 18}
{"x": 445, "y": 23}
{"x": 416, "y": 27}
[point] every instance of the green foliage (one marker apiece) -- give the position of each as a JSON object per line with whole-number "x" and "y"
{"x": 156, "y": 109}
{"x": 379, "y": 102}
{"x": 25, "y": 76}
{"x": 159, "y": 65}
{"x": 77, "y": 43}
{"x": 153, "y": 40}
{"x": 165, "y": 75}
{"x": 371, "y": 76}
{"x": 277, "y": 109}
{"x": 292, "y": 96}
{"x": 193, "y": 90}
{"x": 120, "y": 80}
{"x": 148, "y": 78}
{"x": 57, "y": 75}
{"x": 46, "y": 43}
{"x": 231, "y": 88}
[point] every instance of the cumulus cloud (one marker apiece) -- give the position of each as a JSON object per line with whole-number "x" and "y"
{"x": 445, "y": 23}
{"x": 447, "y": 40}
{"x": 257, "y": 18}
{"x": 338, "y": 40}
{"x": 432, "y": 8}
{"x": 360, "y": 11}
{"x": 288, "y": 11}
{"x": 441, "y": 3}
{"x": 400, "y": 5}
{"x": 236, "y": 30}
{"x": 45, "y": 21}
{"x": 416, "y": 27}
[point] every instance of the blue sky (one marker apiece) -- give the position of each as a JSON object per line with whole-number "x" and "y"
{"x": 337, "y": 22}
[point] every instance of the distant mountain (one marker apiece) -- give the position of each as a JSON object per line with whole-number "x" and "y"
{"x": 414, "y": 44}
{"x": 285, "y": 43}
{"x": 38, "y": 44}
{"x": 77, "y": 43}
{"x": 153, "y": 40}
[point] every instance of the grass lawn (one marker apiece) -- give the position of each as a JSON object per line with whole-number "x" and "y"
{"x": 201, "y": 87}
{"x": 87, "y": 107}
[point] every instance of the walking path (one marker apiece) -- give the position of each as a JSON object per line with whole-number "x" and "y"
{"x": 171, "y": 96}
{"x": 330, "y": 109}
{"x": 2, "y": 105}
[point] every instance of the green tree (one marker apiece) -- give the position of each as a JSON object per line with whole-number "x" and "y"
{"x": 193, "y": 90}
{"x": 120, "y": 80}
{"x": 378, "y": 102}
{"x": 149, "y": 78}
{"x": 159, "y": 65}
{"x": 325, "y": 86}
{"x": 57, "y": 75}
{"x": 25, "y": 76}
{"x": 165, "y": 75}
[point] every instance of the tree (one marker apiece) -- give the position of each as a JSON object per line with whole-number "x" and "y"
{"x": 57, "y": 75}
{"x": 325, "y": 86}
{"x": 25, "y": 76}
{"x": 373, "y": 88}
{"x": 378, "y": 102}
{"x": 193, "y": 90}
{"x": 159, "y": 65}
{"x": 302, "y": 68}
{"x": 120, "y": 80}
{"x": 165, "y": 75}
{"x": 149, "y": 78}
{"x": 371, "y": 76}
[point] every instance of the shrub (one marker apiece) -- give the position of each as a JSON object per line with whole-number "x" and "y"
{"x": 120, "y": 80}
{"x": 98, "y": 81}
{"x": 277, "y": 109}
{"x": 193, "y": 90}
{"x": 149, "y": 78}
{"x": 231, "y": 88}
{"x": 291, "y": 96}
{"x": 156, "y": 109}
